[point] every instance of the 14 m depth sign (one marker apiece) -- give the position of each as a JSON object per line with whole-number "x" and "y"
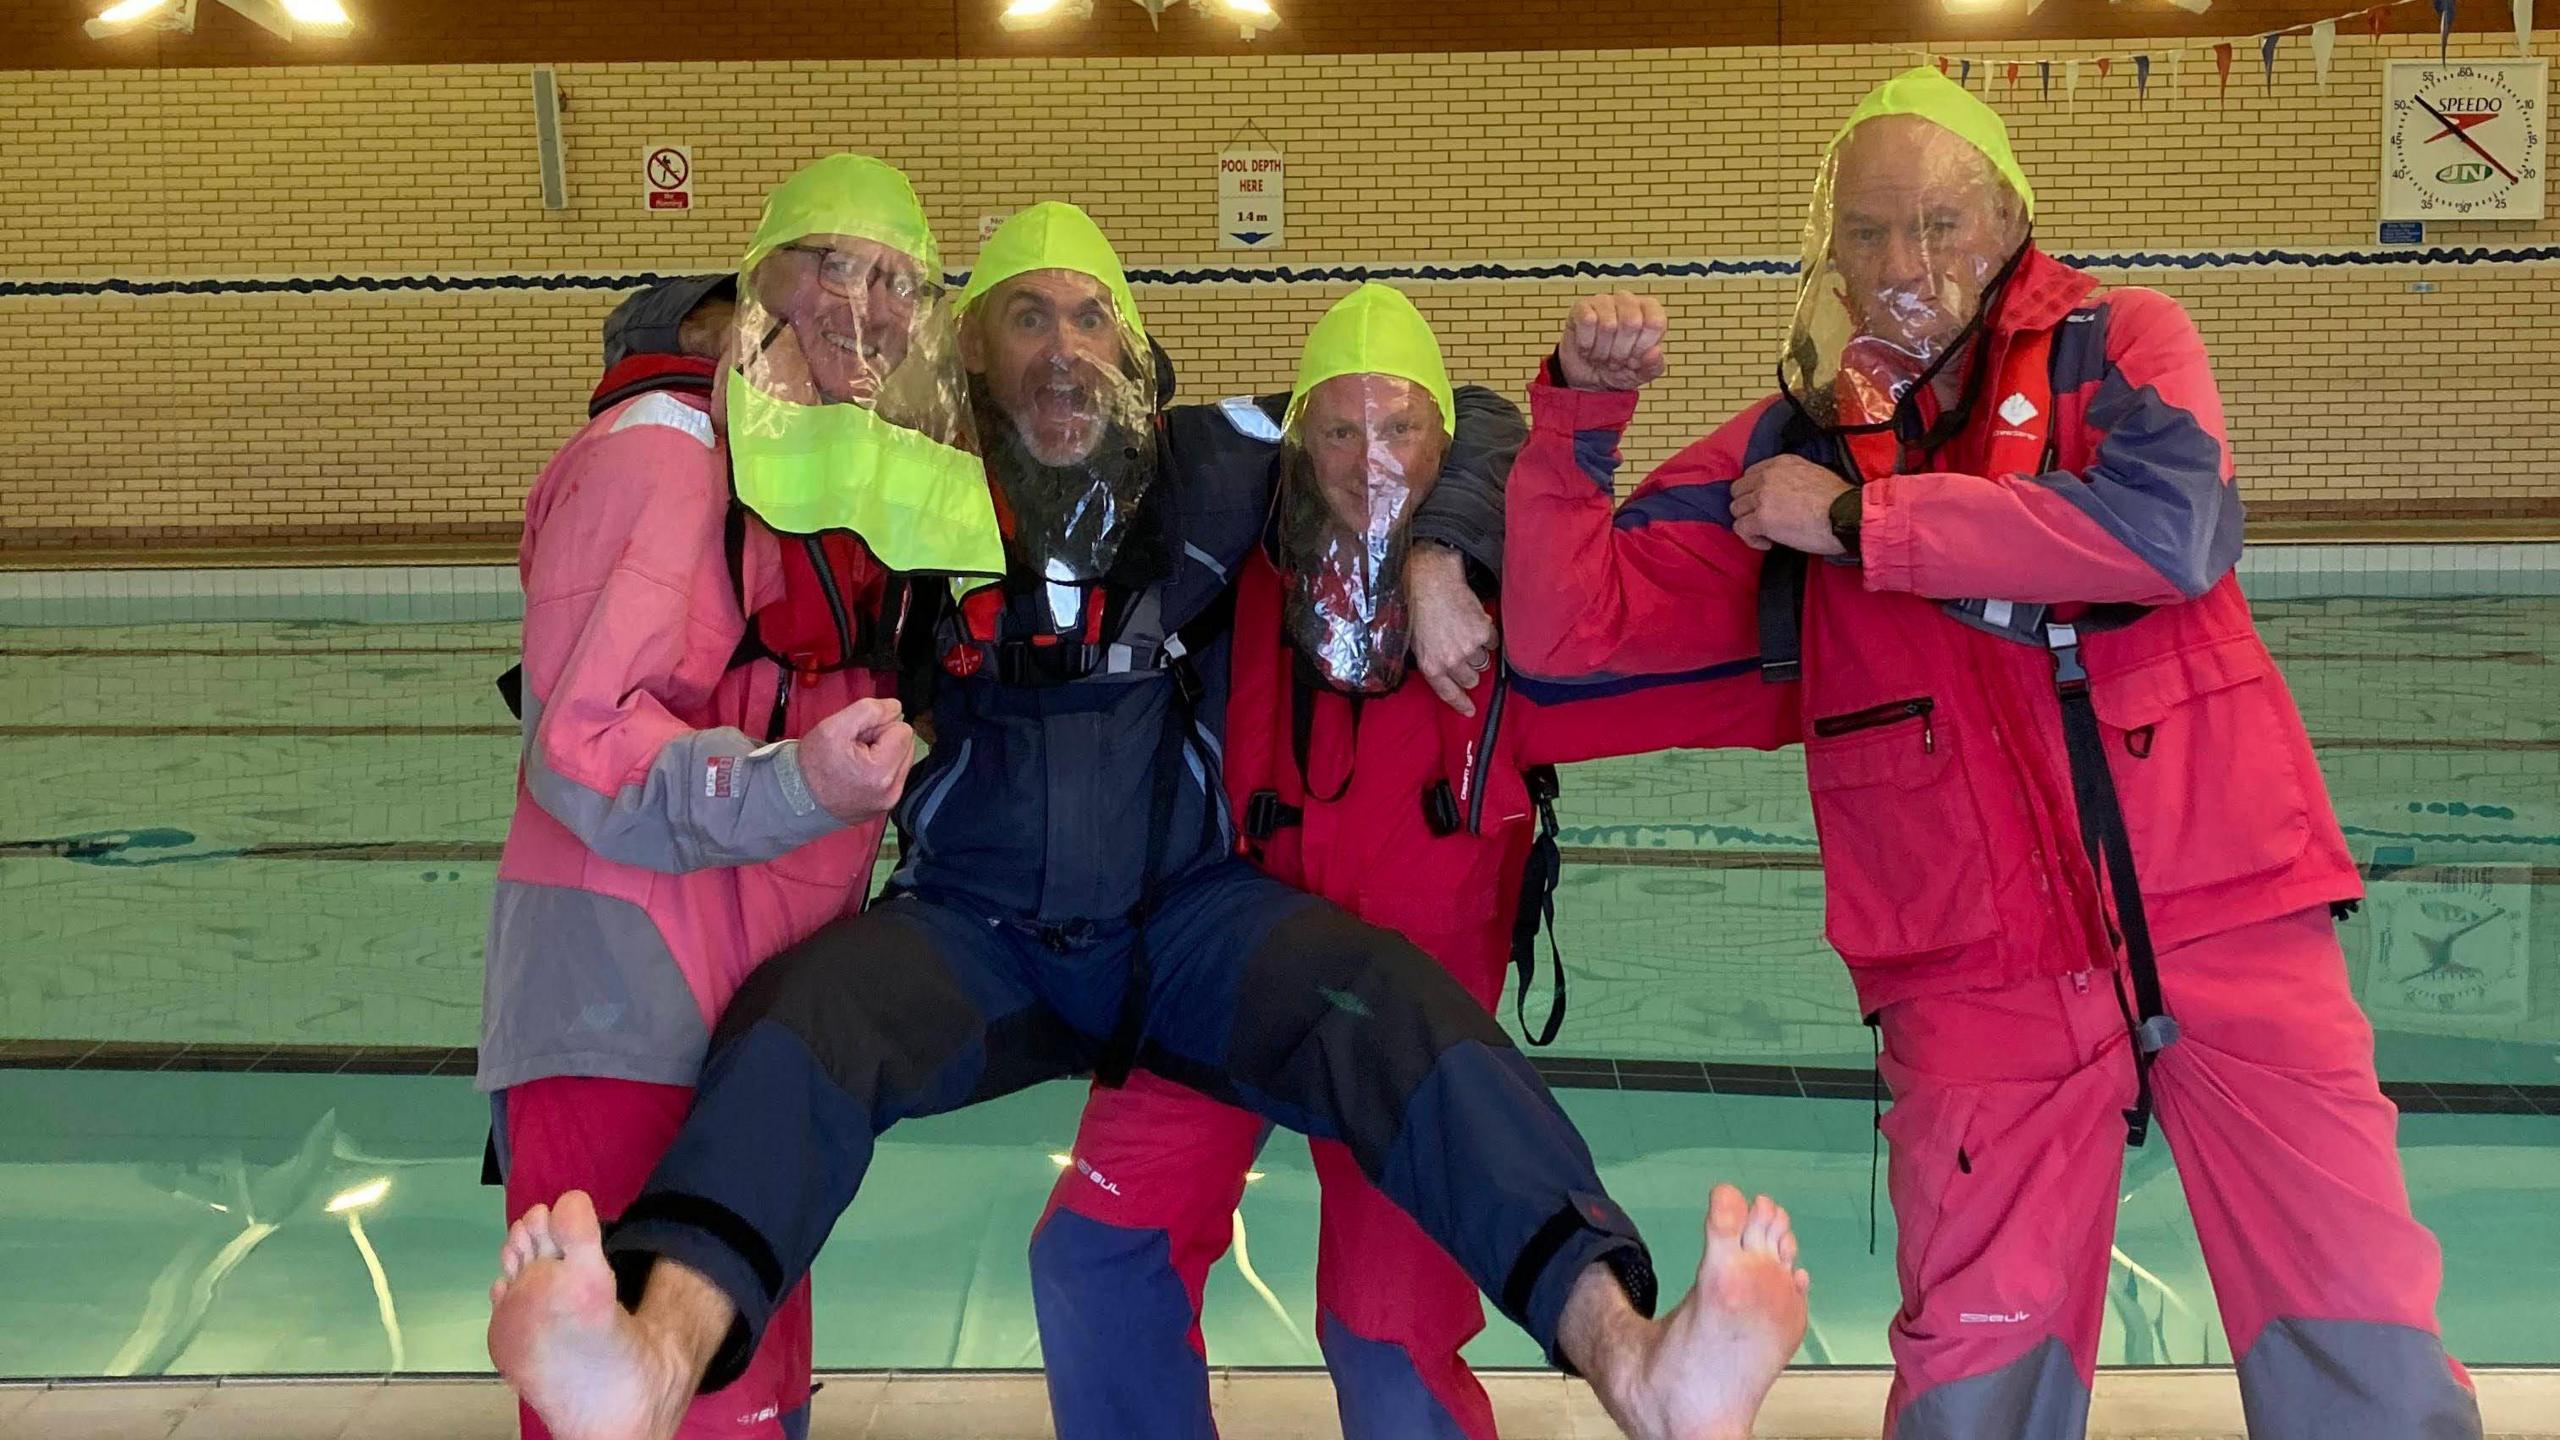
{"x": 1252, "y": 199}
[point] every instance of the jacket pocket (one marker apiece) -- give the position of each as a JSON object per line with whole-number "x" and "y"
{"x": 2203, "y": 746}
{"x": 1905, "y": 868}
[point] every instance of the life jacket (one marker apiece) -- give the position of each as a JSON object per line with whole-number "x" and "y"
{"x": 2019, "y": 442}
{"x": 1473, "y": 761}
{"x": 840, "y": 609}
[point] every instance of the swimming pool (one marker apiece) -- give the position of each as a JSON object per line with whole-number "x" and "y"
{"x": 255, "y": 814}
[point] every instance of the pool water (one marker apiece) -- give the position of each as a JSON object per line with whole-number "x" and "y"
{"x": 264, "y": 812}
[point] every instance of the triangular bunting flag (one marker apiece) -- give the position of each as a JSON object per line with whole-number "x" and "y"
{"x": 2105, "y": 63}
{"x": 2071, "y": 83}
{"x": 2524, "y": 27}
{"x": 2044, "y": 77}
{"x": 2267, "y": 60}
{"x": 1942, "y": 64}
{"x": 2222, "y": 67}
{"x": 2324, "y": 40}
{"x": 1964, "y": 74}
{"x": 2444, "y": 29}
{"x": 2142, "y": 77}
{"x": 2376, "y": 20}
{"x": 2009, "y": 77}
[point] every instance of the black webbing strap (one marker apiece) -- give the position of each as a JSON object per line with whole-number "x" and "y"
{"x": 1182, "y": 670}
{"x": 1782, "y": 583}
{"x": 1303, "y": 685}
{"x": 1538, "y": 877}
{"x": 1129, "y": 1033}
{"x": 2110, "y": 847}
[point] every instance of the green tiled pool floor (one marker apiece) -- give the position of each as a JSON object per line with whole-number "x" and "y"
{"x": 282, "y": 831}
{"x": 182, "y": 1223}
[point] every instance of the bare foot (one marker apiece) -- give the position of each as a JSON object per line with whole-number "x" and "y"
{"x": 561, "y": 1337}
{"x": 1701, "y": 1373}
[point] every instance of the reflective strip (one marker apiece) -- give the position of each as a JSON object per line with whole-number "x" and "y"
{"x": 1207, "y": 560}
{"x": 660, "y": 408}
{"x": 932, "y": 804}
{"x": 1250, "y": 419}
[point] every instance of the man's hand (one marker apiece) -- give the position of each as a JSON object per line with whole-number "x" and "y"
{"x": 1453, "y": 637}
{"x": 856, "y": 760}
{"x": 1786, "y": 500}
{"x": 1612, "y": 342}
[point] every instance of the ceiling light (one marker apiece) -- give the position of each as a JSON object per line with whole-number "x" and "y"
{"x": 1031, "y": 14}
{"x": 127, "y": 15}
{"x": 316, "y": 12}
{"x": 1251, "y": 16}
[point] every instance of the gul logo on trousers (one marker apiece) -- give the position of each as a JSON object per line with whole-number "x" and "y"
{"x": 720, "y": 777}
{"x": 1976, "y": 1317}
{"x": 1096, "y": 1176}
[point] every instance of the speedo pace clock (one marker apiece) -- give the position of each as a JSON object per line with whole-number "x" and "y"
{"x": 2463, "y": 140}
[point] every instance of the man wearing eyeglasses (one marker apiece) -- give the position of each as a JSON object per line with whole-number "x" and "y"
{"x": 715, "y": 574}
{"x": 1069, "y": 898}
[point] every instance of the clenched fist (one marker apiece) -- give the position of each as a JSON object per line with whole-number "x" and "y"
{"x": 1612, "y": 342}
{"x": 856, "y": 759}
{"x": 1453, "y": 636}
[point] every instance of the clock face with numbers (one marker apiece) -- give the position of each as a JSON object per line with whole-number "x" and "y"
{"x": 2462, "y": 140}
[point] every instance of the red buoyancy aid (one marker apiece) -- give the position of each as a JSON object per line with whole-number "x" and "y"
{"x": 1394, "y": 806}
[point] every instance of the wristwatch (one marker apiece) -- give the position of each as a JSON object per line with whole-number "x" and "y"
{"x": 1848, "y": 508}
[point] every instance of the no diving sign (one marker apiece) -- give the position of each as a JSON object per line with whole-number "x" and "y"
{"x": 666, "y": 177}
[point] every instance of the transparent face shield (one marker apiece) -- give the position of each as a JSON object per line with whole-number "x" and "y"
{"x": 1910, "y": 236}
{"x": 846, "y": 407}
{"x": 1066, "y": 400}
{"x": 839, "y": 320}
{"x": 1360, "y": 457}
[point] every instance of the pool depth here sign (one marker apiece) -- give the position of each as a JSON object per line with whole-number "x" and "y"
{"x": 2463, "y": 139}
{"x": 1252, "y": 199}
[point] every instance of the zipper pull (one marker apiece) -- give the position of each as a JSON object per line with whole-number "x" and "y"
{"x": 1928, "y": 735}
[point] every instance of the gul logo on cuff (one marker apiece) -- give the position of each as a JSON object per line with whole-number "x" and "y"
{"x": 720, "y": 777}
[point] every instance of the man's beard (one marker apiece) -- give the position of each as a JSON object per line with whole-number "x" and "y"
{"x": 1081, "y": 522}
{"x": 1345, "y": 611}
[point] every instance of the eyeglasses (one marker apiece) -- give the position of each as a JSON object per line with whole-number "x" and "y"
{"x": 852, "y": 276}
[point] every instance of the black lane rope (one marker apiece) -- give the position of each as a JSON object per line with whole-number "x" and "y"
{"x": 2274, "y": 257}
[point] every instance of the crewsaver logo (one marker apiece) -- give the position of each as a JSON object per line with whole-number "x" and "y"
{"x": 2018, "y": 409}
{"x": 1973, "y": 1317}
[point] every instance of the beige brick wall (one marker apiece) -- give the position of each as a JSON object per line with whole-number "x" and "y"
{"x": 283, "y": 415}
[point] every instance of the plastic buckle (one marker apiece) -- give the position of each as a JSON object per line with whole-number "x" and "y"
{"x": 1265, "y": 816}
{"x": 2157, "y": 1034}
{"x": 1544, "y": 786}
{"x": 1440, "y": 809}
{"x": 2064, "y": 642}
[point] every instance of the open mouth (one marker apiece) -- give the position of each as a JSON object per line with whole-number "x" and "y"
{"x": 1063, "y": 406}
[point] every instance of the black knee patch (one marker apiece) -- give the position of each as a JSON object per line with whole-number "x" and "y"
{"x": 874, "y": 998}
{"x": 1338, "y": 1017}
